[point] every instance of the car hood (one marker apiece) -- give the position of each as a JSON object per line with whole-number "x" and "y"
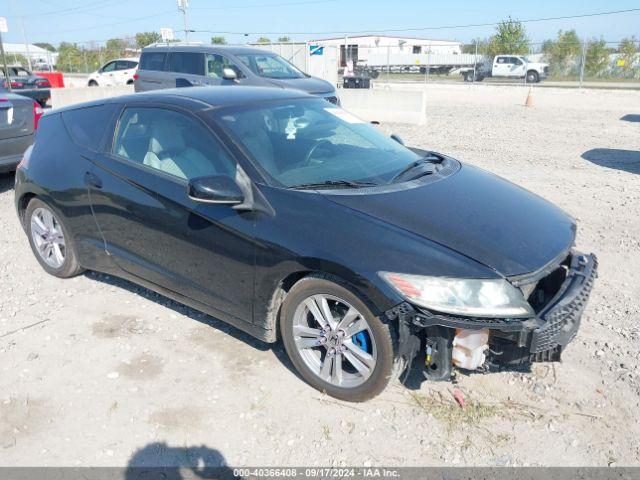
{"x": 477, "y": 214}
{"x": 306, "y": 84}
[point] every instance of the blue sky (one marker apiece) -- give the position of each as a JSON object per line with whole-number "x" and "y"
{"x": 97, "y": 20}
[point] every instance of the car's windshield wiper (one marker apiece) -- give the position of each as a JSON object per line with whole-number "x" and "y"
{"x": 334, "y": 184}
{"x": 429, "y": 159}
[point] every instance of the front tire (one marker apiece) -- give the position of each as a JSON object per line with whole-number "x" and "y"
{"x": 50, "y": 240}
{"x": 93, "y": 83}
{"x": 334, "y": 340}
{"x": 533, "y": 77}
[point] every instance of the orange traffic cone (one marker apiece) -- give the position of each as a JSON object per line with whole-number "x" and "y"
{"x": 529, "y": 101}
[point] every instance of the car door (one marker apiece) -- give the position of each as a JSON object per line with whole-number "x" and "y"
{"x": 121, "y": 73}
{"x": 107, "y": 74}
{"x": 151, "y": 227}
{"x": 215, "y": 65}
{"x": 185, "y": 66}
{"x": 517, "y": 67}
{"x": 501, "y": 67}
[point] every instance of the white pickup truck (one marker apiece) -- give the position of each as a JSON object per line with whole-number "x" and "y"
{"x": 507, "y": 66}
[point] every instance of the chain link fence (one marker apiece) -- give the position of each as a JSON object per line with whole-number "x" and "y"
{"x": 572, "y": 63}
{"x": 566, "y": 61}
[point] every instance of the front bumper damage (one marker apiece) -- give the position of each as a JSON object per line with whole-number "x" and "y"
{"x": 425, "y": 339}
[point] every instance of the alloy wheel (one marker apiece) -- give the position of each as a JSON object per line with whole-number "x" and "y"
{"x": 48, "y": 237}
{"x": 334, "y": 340}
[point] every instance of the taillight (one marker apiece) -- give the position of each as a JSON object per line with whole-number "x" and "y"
{"x": 37, "y": 113}
{"x": 15, "y": 84}
{"x": 135, "y": 76}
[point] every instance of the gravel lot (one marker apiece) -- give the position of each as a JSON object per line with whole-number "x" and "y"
{"x": 97, "y": 371}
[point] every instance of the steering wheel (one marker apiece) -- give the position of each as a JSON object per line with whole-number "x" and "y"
{"x": 314, "y": 147}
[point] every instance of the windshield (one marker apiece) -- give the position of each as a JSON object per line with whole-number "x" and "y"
{"x": 270, "y": 66}
{"x": 303, "y": 142}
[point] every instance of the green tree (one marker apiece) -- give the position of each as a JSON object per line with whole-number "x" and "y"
{"x": 46, "y": 46}
{"x": 69, "y": 57}
{"x": 17, "y": 59}
{"x": 263, "y": 40}
{"x": 628, "y": 50}
{"x": 563, "y": 53}
{"x": 597, "y": 57}
{"x": 510, "y": 38}
{"x": 284, "y": 39}
{"x": 147, "y": 38}
{"x": 115, "y": 47}
{"x": 218, "y": 40}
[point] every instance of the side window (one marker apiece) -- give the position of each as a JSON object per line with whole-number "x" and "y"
{"x": 109, "y": 67}
{"x": 516, "y": 61}
{"x": 216, "y": 63}
{"x": 186, "y": 62}
{"x": 131, "y": 64}
{"x": 86, "y": 126}
{"x": 152, "y": 61}
{"x": 122, "y": 65}
{"x": 170, "y": 142}
{"x": 502, "y": 60}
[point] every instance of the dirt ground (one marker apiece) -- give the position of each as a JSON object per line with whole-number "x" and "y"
{"x": 97, "y": 371}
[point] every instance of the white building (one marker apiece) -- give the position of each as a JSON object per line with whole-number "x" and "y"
{"x": 363, "y": 48}
{"x": 37, "y": 55}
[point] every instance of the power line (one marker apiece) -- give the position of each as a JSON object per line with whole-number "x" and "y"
{"x": 442, "y": 27}
{"x": 77, "y": 9}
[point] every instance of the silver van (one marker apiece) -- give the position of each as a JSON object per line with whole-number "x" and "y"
{"x": 170, "y": 66}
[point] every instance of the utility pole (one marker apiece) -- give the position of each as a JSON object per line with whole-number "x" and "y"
{"x": 26, "y": 43}
{"x": 182, "y": 6}
{"x": 584, "y": 59}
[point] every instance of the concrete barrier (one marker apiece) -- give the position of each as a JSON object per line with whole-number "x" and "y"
{"x": 386, "y": 105}
{"x": 61, "y": 97}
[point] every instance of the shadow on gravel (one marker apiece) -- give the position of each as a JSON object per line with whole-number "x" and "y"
{"x": 160, "y": 461}
{"x": 6, "y": 182}
{"x": 626, "y": 160}
{"x": 631, "y": 117}
{"x": 276, "y": 348}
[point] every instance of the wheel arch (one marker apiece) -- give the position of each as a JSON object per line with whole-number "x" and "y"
{"x": 374, "y": 298}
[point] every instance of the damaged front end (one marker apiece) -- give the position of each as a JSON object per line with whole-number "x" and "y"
{"x": 558, "y": 294}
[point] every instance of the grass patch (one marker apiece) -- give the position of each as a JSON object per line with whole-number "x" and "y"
{"x": 451, "y": 414}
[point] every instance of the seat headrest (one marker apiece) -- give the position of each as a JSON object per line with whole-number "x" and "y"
{"x": 166, "y": 137}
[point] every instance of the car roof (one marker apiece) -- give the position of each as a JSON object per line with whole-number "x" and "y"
{"x": 233, "y": 50}
{"x": 216, "y": 97}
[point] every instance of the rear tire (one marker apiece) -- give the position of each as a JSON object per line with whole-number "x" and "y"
{"x": 50, "y": 240}
{"x": 361, "y": 341}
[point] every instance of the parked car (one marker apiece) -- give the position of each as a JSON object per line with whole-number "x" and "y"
{"x": 290, "y": 218}
{"x": 116, "y": 72}
{"x": 170, "y": 66}
{"x": 19, "y": 118}
{"x": 507, "y": 66}
{"x": 27, "y": 84}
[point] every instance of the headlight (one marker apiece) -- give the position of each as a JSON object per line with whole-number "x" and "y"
{"x": 462, "y": 296}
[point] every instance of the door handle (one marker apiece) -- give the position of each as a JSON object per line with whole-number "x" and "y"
{"x": 92, "y": 180}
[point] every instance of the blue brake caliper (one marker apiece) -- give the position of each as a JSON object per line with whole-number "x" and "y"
{"x": 361, "y": 339}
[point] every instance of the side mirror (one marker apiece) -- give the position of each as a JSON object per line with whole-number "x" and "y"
{"x": 229, "y": 74}
{"x": 219, "y": 189}
{"x": 397, "y": 139}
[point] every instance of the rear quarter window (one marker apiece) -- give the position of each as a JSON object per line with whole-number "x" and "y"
{"x": 152, "y": 61}
{"x": 86, "y": 126}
